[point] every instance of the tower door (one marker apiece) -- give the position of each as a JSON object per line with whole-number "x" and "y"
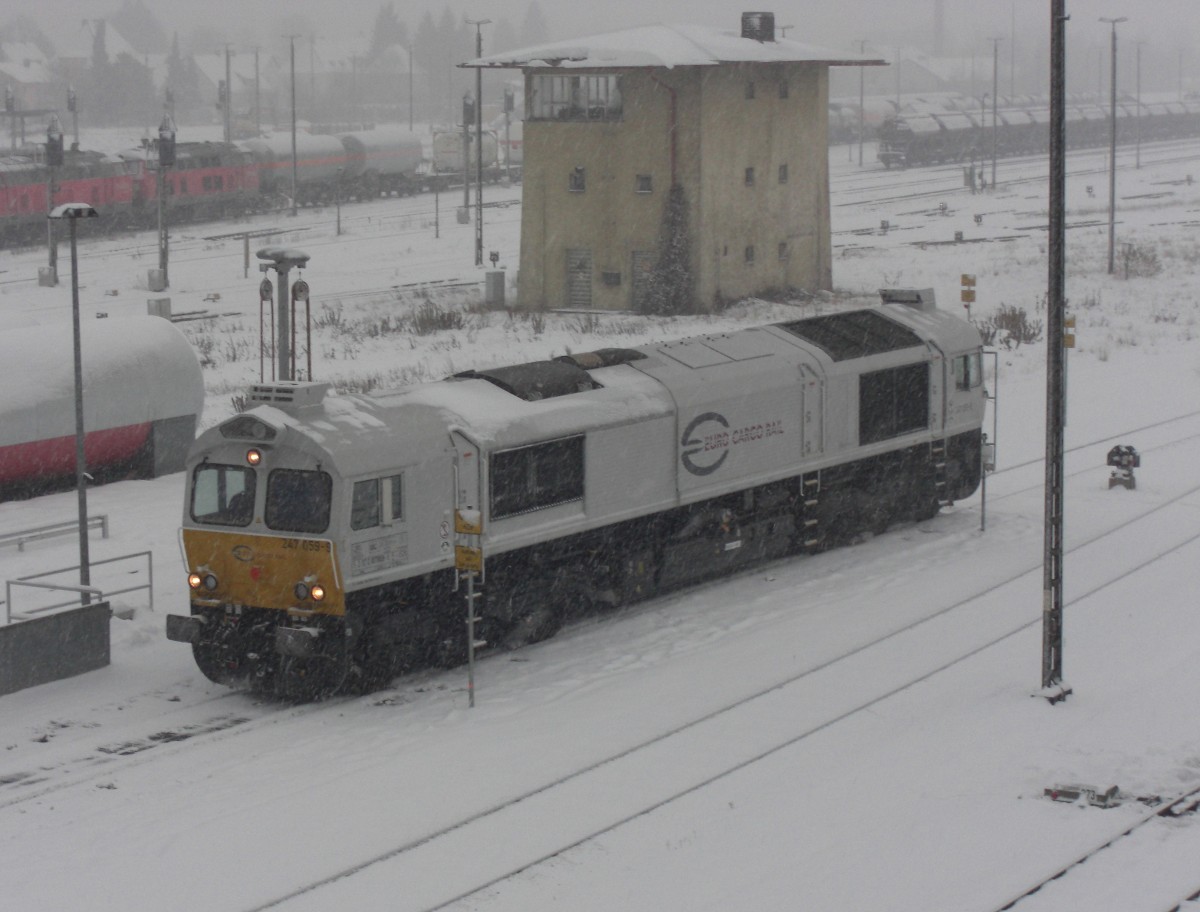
{"x": 579, "y": 278}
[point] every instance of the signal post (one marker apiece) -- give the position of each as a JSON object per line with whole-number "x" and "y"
{"x": 468, "y": 559}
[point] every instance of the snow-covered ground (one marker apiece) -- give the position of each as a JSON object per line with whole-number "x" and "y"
{"x": 852, "y": 730}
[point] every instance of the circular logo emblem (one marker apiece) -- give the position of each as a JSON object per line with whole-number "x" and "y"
{"x": 705, "y": 443}
{"x": 243, "y": 553}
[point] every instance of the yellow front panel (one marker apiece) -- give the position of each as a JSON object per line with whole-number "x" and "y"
{"x": 261, "y": 571}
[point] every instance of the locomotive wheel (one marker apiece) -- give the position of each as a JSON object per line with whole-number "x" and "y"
{"x": 222, "y": 657}
{"x": 535, "y": 612}
{"x": 315, "y": 678}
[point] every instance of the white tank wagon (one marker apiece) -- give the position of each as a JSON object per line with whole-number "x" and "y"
{"x": 142, "y": 397}
{"x": 319, "y": 530}
{"x": 318, "y": 162}
{"x": 386, "y": 160}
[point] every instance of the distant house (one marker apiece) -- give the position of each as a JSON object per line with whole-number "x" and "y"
{"x": 737, "y": 121}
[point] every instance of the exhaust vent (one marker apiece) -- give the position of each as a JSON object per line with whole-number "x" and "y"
{"x": 758, "y": 26}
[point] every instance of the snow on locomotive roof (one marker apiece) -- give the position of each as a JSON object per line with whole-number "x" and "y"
{"x": 668, "y": 46}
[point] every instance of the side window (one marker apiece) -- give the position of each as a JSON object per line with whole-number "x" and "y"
{"x": 783, "y": 174}
{"x": 893, "y": 402}
{"x": 536, "y": 477}
{"x": 968, "y": 371}
{"x": 749, "y": 177}
{"x": 365, "y": 504}
{"x": 396, "y": 483}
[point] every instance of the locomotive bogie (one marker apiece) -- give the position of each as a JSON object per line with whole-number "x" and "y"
{"x": 596, "y": 479}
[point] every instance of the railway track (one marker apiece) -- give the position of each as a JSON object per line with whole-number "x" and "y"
{"x": 652, "y": 761}
{"x": 1061, "y": 888}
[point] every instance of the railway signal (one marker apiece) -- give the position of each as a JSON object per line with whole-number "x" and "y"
{"x": 468, "y": 559}
{"x": 968, "y": 292}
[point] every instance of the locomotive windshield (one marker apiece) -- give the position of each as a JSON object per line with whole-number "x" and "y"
{"x": 298, "y": 501}
{"x": 223, "y": 495}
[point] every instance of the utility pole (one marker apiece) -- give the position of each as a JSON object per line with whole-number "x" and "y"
{"x": 228, "y": 98}
{"x": 1137, "y": 120}
{"x": 478, "y": 23}
{"x": 1112, "y": 145}
{"x": 1052, "y": 578}
{"x": 292, "y": 41}
{"x": 862, "y": 50}
{"x": 995, "y": 93}
{"x": 257, "y": 97}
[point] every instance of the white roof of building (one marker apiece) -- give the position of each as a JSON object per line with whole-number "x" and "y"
{"x": 668, "y": 46}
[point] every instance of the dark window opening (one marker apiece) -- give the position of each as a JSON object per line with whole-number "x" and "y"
{"x": 749, "y": 177}
{"x": 783, "y": 90}
{"x": 365, "y": 506}
{"x": 577, "y": 179}
{"x": 968, "y": 371}
{"x": 749, "y": 90}
{"x": 223, "y": 495}
{"x": 298, "y": 501}
{"x": 783, "y": 174}
{"x": 893, "y": 402}
{"x": 643, "y": 183}
{"x": 536, "y": 477}
{"x": 783, "y": 250}
{"x": 749, "y": 254}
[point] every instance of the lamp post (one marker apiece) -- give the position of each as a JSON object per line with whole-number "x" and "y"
{"x": 72, "y": 212}
{"x": 295, "y": 166}
{"x": 54, "y": 161}
{"x": 1112, "y": 145}
{"x": 166, "y": 158}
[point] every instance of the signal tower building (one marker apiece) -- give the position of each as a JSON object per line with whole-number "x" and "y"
{"x": 732, "y": 127}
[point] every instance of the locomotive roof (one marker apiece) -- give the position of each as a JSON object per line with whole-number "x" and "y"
{"x": 515, "y": 405}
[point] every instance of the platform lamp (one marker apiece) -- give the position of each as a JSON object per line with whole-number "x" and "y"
{"x": 54, "y": 161}
{"x": 72, "y": 212}
{"x": 166, "y": 159}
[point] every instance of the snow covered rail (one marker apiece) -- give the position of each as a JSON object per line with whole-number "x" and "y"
{"x": 1185, "y": 805}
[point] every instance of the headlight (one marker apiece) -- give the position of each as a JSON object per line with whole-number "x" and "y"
{"x": 207, "y": 580}
{"x": 301, "y": 591}
{"x": 318, "y": 592}
{"x": 253, "y": 457}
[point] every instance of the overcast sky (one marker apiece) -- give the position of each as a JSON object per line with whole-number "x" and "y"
{"x": 1167, "y": 26}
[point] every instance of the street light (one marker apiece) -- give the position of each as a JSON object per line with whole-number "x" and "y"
{"x": 54, "y": 161}
{"x": 72, "y": 212}
{"x": 1112, "y": 147}
{"x": 166, "y": 158}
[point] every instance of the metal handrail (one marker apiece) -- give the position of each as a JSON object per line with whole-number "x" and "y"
{"x": 53, "y": 529}
{"x": 26, "y": 581}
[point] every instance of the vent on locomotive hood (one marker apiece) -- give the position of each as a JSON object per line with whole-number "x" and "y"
{"x": 854, "y": 334}
{"x": 565, "y": 375}
{"x": 288, "y": 394}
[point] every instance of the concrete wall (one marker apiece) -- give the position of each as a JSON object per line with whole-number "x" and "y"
{"x": 719, "y": 133}
{"x": 54, "y": 646}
